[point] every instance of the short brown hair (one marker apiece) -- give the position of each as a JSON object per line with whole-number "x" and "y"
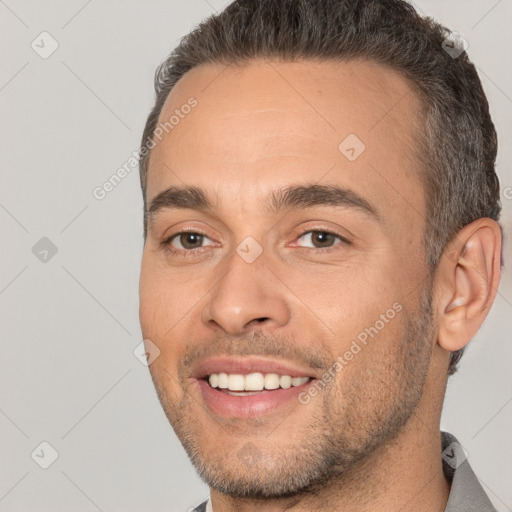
{"x": 458, "y": 145}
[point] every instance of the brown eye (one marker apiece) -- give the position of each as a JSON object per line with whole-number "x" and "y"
{"x": 190, "y": 240}
{"x": 185, "y": 241}
{"x": 320, "y": 239}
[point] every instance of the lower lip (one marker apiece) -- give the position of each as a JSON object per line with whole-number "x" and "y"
{"x": 250, "y": 406}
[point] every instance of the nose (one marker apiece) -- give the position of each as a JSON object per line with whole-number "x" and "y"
{"x": 247, "y": 295}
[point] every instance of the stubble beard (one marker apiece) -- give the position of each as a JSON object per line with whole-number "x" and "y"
{"x": 358, "y": 416}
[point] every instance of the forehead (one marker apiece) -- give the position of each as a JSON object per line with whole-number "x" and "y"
{"x": 271, "y": 123}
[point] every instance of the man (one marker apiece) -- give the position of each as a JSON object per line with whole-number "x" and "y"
{"x": 321, "y": 243}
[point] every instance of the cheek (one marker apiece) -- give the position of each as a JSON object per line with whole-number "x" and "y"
{"x": 165, "y": 309}
{"x": 369, "y": 374}
{"x": 161, "y": 302}
{"x": 159, "y": 325}
{"x": 354, "y": 298}
{"x": 151, "y": 302}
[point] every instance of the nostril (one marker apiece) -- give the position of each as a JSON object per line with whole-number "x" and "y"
{"x": 256, "y": 321}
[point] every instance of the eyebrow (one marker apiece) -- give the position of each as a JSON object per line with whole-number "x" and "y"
{"x": 296, "y": 196}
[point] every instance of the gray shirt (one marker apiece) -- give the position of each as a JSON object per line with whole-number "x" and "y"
{"x": 466, "y": 493}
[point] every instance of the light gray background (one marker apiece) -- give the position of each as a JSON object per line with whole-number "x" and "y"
{"x": 69, "y": 326}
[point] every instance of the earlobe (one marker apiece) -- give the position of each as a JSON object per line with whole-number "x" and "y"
{"x": 468, "y": 279}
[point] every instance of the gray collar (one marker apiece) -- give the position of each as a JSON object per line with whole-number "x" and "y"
{"x": 466, "y": 493}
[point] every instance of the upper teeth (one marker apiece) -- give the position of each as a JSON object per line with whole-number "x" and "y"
{"x": 254, "y": 381}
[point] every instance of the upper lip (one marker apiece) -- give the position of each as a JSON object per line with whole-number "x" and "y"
{"x": 245, "y": 365}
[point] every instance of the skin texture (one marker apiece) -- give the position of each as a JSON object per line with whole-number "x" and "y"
{"x": 269, "y": 125}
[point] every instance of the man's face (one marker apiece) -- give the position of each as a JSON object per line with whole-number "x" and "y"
{"x": 282, "y": 274}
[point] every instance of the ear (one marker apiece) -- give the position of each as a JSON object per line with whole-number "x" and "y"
{"x": 467, "y": 281}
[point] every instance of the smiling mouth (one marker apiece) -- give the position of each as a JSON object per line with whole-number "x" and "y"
{"x": 250, "y": 388}
{"x": 236, "y": 384}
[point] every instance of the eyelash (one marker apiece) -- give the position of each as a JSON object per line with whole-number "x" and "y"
{"x": 191, "y": 252}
